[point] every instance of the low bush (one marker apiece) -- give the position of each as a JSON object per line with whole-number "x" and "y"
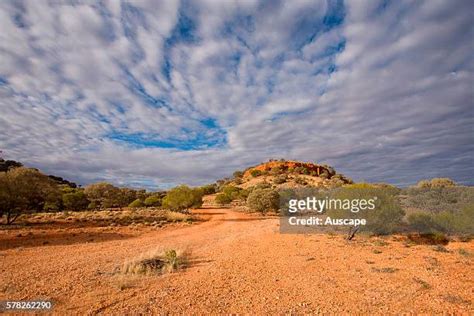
{"x": 263, "y": 200}
{"x": 255, "y": 173}
{"x": 137, "y": 203}
{"x": 223, "y": 199}
{"x": 152, "y": 201}
{"x": 231, "y": 191}
{"x": 182, "y": 197}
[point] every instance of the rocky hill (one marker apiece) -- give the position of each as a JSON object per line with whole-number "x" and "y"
{"x": 289, "y": 173}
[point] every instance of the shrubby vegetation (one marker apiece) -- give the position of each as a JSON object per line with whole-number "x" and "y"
{"x": 451, "y": 223}
{"x": 255, "y": 173}
{"x": 152, "y": 201}
{"x": 386, "y": 218}
{"x": 136, "y": 204}
{"x": 223, "y": 199}
{"x": 182, "y": 197}
{"x": 437, "y": 199}
{"x": 26, "y": 190}
{"x": 436, "y": 183}
{"x": 263, "y": 200}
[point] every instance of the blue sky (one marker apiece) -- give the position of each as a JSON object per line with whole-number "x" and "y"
{"x": 157, "y": 93}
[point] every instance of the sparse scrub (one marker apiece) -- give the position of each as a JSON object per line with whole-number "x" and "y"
{"x": 465, "y": 253}
{"x": 425, "y": 285}
{"x": 440, "y": 248}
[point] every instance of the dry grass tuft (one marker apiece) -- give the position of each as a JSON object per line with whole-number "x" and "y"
{"x": 157, "y": 262}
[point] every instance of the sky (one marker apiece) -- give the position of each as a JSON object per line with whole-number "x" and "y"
{"x": 157, "y": 93}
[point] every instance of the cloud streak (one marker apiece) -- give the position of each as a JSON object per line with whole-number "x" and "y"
{"x": 154, "y": 93}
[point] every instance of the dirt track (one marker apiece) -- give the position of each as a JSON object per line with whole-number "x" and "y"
{"x": 242, "y": 264}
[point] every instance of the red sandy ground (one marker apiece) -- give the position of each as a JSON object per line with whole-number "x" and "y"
{"x": 241, "y": 264}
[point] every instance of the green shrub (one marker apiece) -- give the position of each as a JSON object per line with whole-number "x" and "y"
{"x": 421, "y": 222}
{"x": 231, "y": 191}
{"x": 255, "y": 173}
{"x": 152, "y": 201}
{"x": 182, "y": 197}
{"x": 243, "y": 194}
{"x": 135, "y": 204}
{"x": 223, "y": 199}
{"x": 263, "y": 200}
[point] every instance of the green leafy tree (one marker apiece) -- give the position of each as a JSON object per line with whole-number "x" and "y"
{"x": 103, "y": 195}
{"x": 75, "y": 200}
{"x": 24, "y": 190}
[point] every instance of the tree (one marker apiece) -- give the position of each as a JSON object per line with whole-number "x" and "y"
{"x": 103, "y": 195}
{"x": 23, "y": 190}
{"x": 75, "y": 200}
{"x": 126, "y": 196}
{"x": 182, "y": 197}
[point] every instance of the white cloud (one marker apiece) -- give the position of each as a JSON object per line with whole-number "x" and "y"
{"x": 385, "y": 96}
